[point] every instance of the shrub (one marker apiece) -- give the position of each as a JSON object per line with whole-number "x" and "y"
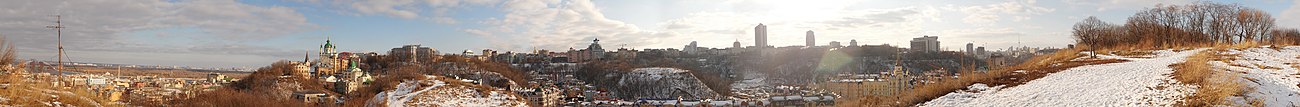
{"x": 1215, "y": 85}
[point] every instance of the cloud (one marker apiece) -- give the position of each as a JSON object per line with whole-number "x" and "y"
{"x": 397, "y": 8}
{"x": 106, "y": 25}
{"x": 1107, "y": 5}
{"x": 558, "y": 25}
{"x": 874, "y": 18}
{"x": 1290, "y": 17}
{"x": 987, "y": 14}
{"x": 242, "y": 50}
{"x": 1000, "y": 37}
{"x": 868, "y": 26}
{"x": 234, "y": 20}
{"x": 437, "y": 11}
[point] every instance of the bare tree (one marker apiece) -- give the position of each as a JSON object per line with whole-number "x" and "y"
{"x": 1201, "y": 23}
{"x": 1089, "y": 32}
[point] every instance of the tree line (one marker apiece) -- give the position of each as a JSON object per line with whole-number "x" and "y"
{"x": 1197, "y": 24}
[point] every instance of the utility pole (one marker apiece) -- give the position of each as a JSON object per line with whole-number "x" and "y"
{"x": 59, "y": 28}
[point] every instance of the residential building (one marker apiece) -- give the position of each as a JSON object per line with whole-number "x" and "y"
{"x": 760, "y": 35}
{"x": 216, "y": 78}
{"x": 593, "y": 52}
{"x": 811, "y": 41}
{"x": 312, "y": 96}
{"x": 925, "y": 44}
{"x": 970, "y": 48}
{"x": 410, "y": 53}
{"x": 853, "y": 42}
{"x": 693, "y": 48}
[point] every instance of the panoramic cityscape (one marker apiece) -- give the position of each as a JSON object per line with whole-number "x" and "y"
{"x": 674, "y": 53}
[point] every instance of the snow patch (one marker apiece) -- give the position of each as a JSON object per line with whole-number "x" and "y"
{"x": 965, "y": 96}
{"x": 404, "y": 92}
{"x": 1270, "y": 72}
{"x": 432, "y": 92}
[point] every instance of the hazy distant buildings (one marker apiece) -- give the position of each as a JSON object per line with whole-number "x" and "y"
{"x": 410, "y": 53}
{"x": 925, "y": 44}
{"x": 736, "y": 44}
{"x": 811, "y": 41}
{"x": 217, "y": 78}
{"x": 853, "y": 42}
{"x": 760, "y": 35}
{"x": 835, "y": 44}
{"x": 970, "y": 48}
{"x": 593, "y": 52}
{"x": 693, "y": 48}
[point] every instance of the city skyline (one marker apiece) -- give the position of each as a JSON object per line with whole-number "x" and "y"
{"x": 226, "y": 33}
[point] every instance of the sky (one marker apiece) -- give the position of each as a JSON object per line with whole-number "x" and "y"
{"x": 254, "y": 33}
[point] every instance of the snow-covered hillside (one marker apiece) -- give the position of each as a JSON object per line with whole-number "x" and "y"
{"x": 663, "y": 83}
{"x": 1273, "y": 74}
{"x": 433, "y": 92}
{"x": 1140, "y": 82}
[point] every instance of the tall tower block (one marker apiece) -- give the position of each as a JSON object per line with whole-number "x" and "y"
{"x": 760, "y": 35}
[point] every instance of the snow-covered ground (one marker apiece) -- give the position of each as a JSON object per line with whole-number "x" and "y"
{"x": 1270, "y": 72}
{"x": 663, "y": 83}
{"x": 433, "y": 92}
{"x": 405, "y": 91}
{"x": 754, "y": 86}
{"x": 1140, "y": 82}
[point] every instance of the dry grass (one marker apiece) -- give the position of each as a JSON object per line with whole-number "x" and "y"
{"x": 1244, "y": 45}
{"x": 1215, "y": 85}
{"x": 1063, "y": 55}
{"x": 1195, "y": 69}
{"x": 1296, "y": 65}
{"x": 1267, "y": 67}
{"x": 24, "y": 92}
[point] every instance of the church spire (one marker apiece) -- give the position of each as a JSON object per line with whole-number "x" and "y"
{"x": 327, "y": 42}
{"x": 306, "y": 55}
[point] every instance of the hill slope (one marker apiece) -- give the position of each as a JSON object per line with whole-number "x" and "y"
{"x": 663, "y": 83}
{"x": 1140, "y": 82}
{"x": 1271, "y": 76}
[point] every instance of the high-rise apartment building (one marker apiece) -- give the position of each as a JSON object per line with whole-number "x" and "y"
{"x": 760, "y": 35}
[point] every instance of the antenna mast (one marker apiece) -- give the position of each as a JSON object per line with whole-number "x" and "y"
{"x": 59, "y": 28}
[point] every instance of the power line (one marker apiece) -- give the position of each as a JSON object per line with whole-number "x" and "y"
{"x": 59, "y": 28}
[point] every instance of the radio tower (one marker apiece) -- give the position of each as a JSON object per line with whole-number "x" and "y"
{"x": 59, "y": 27}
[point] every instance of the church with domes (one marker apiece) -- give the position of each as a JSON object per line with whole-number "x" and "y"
{"x": 338, "y": 70}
